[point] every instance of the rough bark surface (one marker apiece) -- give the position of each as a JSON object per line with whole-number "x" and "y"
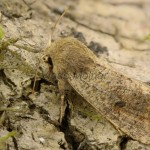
{"x": 113, "y": 29}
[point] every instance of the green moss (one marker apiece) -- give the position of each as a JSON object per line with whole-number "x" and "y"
{"x": 91, "y": 115}
{"x": 4, "y": 46}
{"x": 2, "y": 118}
{"x": 5, "y": 138}
{"x": 22, "y": 66}
{"x": 1, "y": 32}
{"x": 6, "y": 43}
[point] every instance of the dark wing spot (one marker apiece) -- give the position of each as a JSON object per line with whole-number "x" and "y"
{"x": 120, "y": 104}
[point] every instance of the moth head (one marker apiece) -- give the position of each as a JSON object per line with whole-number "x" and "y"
{"x": 70, "y": 55}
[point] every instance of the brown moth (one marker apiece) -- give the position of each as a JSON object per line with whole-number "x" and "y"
{"x": 121, "y": 100}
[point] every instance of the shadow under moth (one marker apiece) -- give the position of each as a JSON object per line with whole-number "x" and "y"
{"x": 121, "y": 100}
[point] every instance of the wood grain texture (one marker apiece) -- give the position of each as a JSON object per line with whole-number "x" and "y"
{"x": 121, "y": 100}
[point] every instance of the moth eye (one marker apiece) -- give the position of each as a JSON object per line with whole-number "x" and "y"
{"x": 120, "y": 104}
{"x": 50, "y": 62}
{"x": 45, "y": 58}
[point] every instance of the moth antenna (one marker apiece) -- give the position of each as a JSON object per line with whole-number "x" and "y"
{"x": 49, "y": 43}
{"x": 35, "y": 79}
{"x": 55, "y": 24}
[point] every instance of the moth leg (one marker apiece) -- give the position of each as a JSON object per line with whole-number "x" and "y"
{"x": 61, "y": 86}
{"x": 62, "y": 108}
{"x": 117, "y": 128}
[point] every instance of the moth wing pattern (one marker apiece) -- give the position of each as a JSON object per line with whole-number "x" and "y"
{"x": 123, "y": 101}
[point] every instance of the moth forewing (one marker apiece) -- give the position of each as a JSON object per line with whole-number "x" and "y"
{"x": 121, "y": 100}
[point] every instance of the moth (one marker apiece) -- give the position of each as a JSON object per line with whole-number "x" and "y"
{"x": 121, "y": 100}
